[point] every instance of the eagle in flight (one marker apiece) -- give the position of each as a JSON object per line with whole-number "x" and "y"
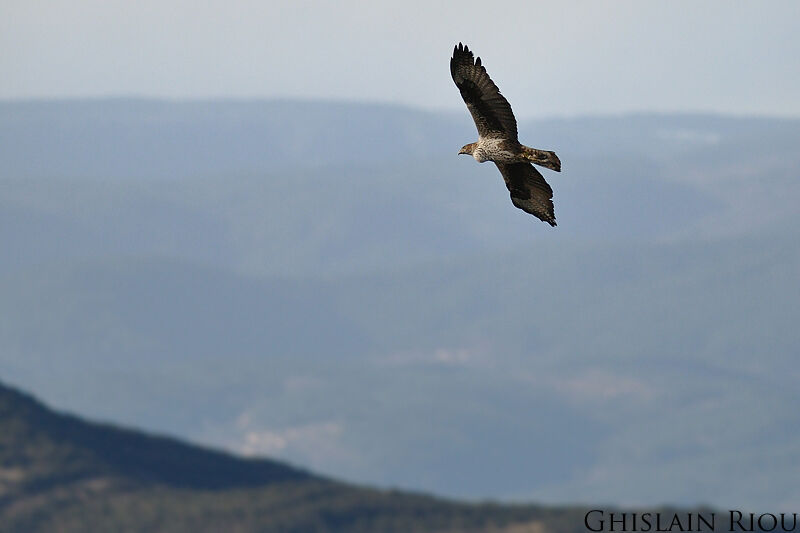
{"x": 497, "y": 138}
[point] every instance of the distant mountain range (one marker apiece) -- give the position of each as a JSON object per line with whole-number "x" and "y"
{"x": 329, "y": 284}
{"x": 125, "y": 138}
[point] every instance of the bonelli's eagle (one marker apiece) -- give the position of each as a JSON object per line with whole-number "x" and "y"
{"x": 497, "y": 138}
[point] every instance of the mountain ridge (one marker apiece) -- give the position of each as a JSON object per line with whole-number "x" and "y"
{"x": 90, "y": 476}
{"x": 110, "y": 450}
{"x": 274, "y": 498}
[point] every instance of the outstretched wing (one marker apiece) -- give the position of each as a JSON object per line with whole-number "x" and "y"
{"x": 490, "y": 110}
{"x": 529, "y": 191}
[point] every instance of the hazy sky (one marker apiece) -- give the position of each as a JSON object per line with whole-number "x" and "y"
{"x": 549, "y": 58}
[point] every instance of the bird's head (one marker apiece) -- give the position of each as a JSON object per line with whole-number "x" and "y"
{"x": 467, "y": 149}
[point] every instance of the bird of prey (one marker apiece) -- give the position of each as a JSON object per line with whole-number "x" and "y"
{"x": 497, "y": 138}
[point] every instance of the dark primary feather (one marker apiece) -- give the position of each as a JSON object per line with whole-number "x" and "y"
{"x": 490, "y": 110}
{"x": 529, "y": 191}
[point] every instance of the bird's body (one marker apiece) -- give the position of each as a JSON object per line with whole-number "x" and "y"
{"x": 498, "y": 150}
{"x": 497, "y": 138}
{"x": 502, "y": 150}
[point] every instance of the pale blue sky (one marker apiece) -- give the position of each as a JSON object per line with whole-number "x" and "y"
{"x": 549, "y": 58}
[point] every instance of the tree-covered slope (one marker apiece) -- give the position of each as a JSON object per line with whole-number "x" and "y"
{"x": 61, "y": 473}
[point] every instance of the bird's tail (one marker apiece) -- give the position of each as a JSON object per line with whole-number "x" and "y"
{"x": 542, "y": 158}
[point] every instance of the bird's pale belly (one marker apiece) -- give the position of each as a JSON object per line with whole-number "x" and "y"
{"x": 497, "y": 150}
